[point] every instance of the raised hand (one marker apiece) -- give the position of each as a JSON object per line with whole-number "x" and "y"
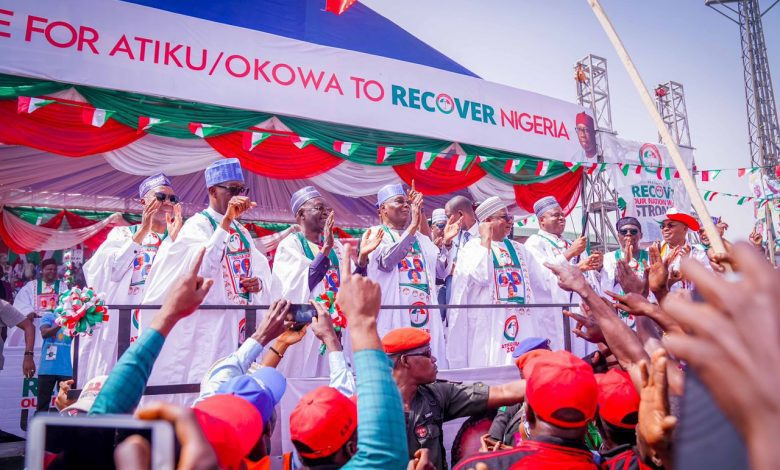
{"x": 328, "y": 231}
{"x": 368, "y": 244}
{"x": 322, "y": 327}
{"x": 633, "y": 303}
{"x": 656, "y": 424}
{"x": 756, "y": 239}
{"x": 734, "y": 339}
{"x": 359, "y": 299}
{"x": 276, "y": 321}
{"x": 184, "y": 298}
{"x": 576, "y": 248}
{"x": 452, "y": 229}
{"x": 417, "y": 201}
{"x": 292, "y": 336}
{"x": 627, "y": 279}
{"x": 592, "y": 332}
{"x": 174, "y": 222}
{"x": 147, "y": 219}
{"x": 236, "y": 206}
{"x": 570, "y": 277}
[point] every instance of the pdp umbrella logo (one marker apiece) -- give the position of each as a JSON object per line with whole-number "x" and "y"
{"x": 511, "y": 327}
{"x": 445, "y": 103}
{"x": 418, "y": 317}
{"x": 650, "y": 156}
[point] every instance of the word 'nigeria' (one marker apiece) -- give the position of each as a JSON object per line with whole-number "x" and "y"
{"x": 443, "y": 103}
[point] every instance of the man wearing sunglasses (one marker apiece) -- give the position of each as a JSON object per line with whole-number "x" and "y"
{"x": 120, "y": 268}
{"x": 674, "y": 230}
{"x": 629, "y": 235}
{"x": 429, "y": 402}
{"x": 240, "y": 272}
{"x": 493, "y": 269}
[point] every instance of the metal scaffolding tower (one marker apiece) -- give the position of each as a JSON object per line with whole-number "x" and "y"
{"x": 670, "y": 99}
{"x": 761, "y": 109}
{"x": 599, "y": 200}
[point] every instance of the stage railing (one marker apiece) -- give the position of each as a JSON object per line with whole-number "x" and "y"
{"x": 125, "y": 321}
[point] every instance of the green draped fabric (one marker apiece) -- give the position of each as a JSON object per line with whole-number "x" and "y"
{"x": 129, "y": 106}
{"x": 12, "y": 87}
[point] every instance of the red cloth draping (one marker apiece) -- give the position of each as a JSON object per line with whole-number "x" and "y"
{"x": 440, "y": 178}
{"x": 276, "y": 157}
{"x": 76, "y": 221}
{"x": 566, "y": 189}
{"x": 59, "y": 128}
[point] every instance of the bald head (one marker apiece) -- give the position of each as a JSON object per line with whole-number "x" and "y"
{"x": 461, "y": 206}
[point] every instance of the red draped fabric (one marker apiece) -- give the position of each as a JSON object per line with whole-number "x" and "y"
{"x": 76, "y": 221}
{"x": 276, "y": 157}
{"x": 566, "y": 189}
{"x": 59, "y": 128}
{"x": 440, "y": 178}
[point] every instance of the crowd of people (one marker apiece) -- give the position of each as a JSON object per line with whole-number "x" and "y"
{"x": 608, "y": 397}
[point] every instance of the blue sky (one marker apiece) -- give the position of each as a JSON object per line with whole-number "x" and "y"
{"x": 534, "y": 45}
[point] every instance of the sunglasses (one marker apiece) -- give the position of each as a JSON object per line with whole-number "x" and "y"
{"x": 162, "y": 196}
{"x": 629, "y": 231}
{"x": 234, "y": 190}
{"x": 427, "y": 353}
{"x": 669, "y": 225}
{"x": 440, "y": 226}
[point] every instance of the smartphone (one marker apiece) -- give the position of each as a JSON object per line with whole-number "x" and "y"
{"x": 79, "y": 442}
{"x": 303, "y": 313}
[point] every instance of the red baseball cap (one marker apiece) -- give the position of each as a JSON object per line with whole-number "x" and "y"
{"x": 558, "y": 382}
{"x": 618, "y": 399}
{"x": 687, "y": 219}
{"x": 323, "y": 421}
{"x": 405, "y": 339}
{"x": 232, "y": 426}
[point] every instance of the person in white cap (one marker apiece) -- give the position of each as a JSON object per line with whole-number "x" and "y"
{"x": 406, "y": 265}
{"x": 306, "y": 266}
{"x": 120, "y": 267}
{"x": 549, "y": 246}
{"x": 240, "y": 272}
{"x": 493, "y": 269}
{"x": 674, "y": 230}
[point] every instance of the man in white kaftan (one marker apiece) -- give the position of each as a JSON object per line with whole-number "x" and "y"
{"x": 674, "y": 230}
{"x": 120, "y": 267}
{"x": 405, "y": 266}
{"x": 306, "y": 267}
{"x": 240, "y": 272}
{"x": 549, "y": 246}
{"x": 493, "y": 269}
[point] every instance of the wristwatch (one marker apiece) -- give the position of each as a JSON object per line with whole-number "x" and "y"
{"x": 29, "y": 353}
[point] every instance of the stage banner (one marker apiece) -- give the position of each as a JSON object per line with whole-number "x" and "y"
{"x": 124, "y": 46}
{"x": 641, "y": 193}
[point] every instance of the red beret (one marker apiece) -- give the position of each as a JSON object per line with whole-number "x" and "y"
{"x": 405, "y": 339}
{"x": 560, "y": 380}
{"x": 618, "y": 399}
{"x": 688, "y": 220}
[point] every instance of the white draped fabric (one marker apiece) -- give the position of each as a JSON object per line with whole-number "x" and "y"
{"x": 37, "y": 238}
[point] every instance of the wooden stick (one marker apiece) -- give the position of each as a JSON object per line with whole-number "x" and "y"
{"x": 666, "y": 136}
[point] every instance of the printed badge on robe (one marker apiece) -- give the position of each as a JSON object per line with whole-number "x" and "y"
{"x": 414, "y": 288}
{"x": 142, "y": 263}
{"x": 238, "y": 261}
{"x": 510, "y": 283}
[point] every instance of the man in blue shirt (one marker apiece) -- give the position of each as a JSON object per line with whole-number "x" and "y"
{"x": 55, "y": 360}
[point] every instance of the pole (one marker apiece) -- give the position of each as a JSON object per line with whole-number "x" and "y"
{"x": 674, "y": 150}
